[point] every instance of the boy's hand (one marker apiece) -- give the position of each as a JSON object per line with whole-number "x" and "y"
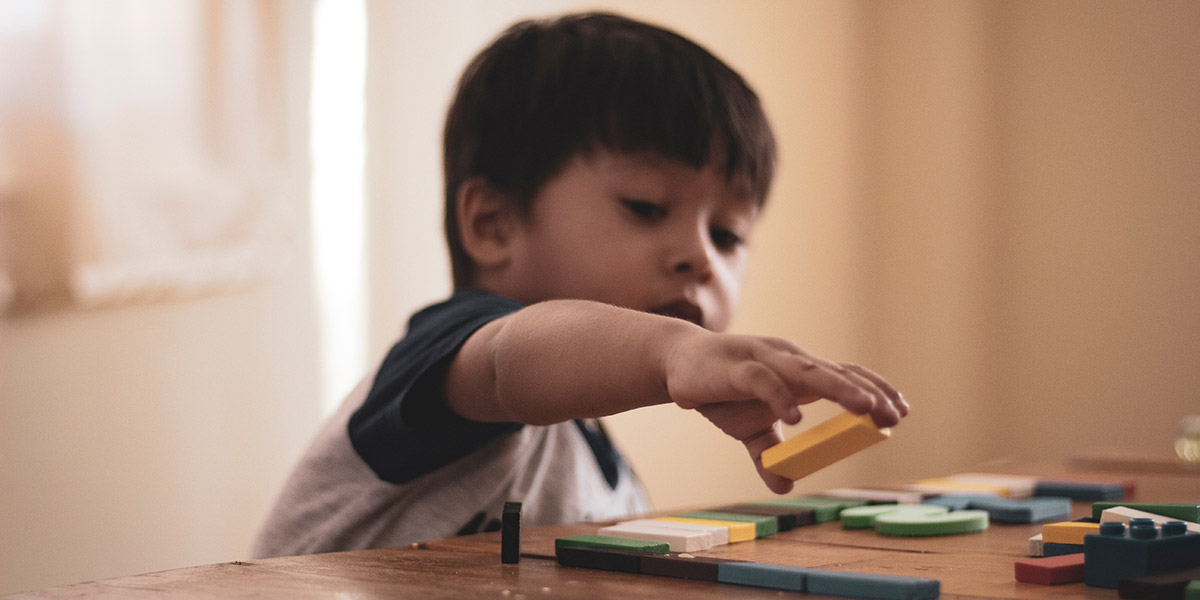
{"x": 753, "y": 424}
{"x": 746, "y": 384}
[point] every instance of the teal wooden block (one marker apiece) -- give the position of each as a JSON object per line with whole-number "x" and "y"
{"x": 1005, "y": 510}
{"x": 603, "y": 541}
{"x": 1082, "y": 491}
{"x": 870, "y": 585}
{"x": 955, "y": 501}
{"x": 764, "y": 575}
{"x": 764, "y": 525}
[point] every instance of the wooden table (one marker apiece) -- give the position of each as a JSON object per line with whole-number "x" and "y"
{"x": 975, "y": 565}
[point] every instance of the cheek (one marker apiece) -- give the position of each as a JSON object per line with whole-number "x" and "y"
{"x": 730, "y": 275}
{"x": 584, "y": 266}
{"x": 726, "y": 292}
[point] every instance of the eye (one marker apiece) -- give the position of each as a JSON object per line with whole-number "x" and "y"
{"x": 726, "y": 240}
{"x": 644, "y": 209}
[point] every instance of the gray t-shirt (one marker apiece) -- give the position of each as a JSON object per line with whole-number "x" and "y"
{"x": 335, "y": 500}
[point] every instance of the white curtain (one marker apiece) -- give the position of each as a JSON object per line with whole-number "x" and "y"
{"x": 144, "y": 147}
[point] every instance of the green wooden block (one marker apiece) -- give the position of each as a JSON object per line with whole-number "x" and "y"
{"x": 603, "y": 541}
{"x": 1192, "y": 591}
{"x": 1183, "y": 512}
{"x": 824, "y": 509}
{"x": 764, "y": 525}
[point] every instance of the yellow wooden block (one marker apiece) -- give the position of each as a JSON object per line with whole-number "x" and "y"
{"x": 950, "y": 486}
{"x": 823, "y": 445}
{"x": 1068, "y": 532}
{"x": 738, "y": 531}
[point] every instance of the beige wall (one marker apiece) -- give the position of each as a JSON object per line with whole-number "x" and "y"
{"x": 155, "y": 436}
{"x": 148, "y": 438}
{"x": 1036, "y": 223}
{"x": 997, "y": 205}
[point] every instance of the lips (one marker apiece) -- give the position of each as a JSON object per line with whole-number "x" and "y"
{"x": 681, "y": 309}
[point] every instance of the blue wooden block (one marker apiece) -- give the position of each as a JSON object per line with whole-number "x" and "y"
{"x": 1033, "y": 510}
{"x": 1052, "y": 549}
{"x": 1005, "y": 510}
{"x": 871, "y": 585}
{"x": 765, "y": 575}
{"x": 1080, "y": 490}
{"x": 1117, "y": 553}
{"x": 955, "y": 501}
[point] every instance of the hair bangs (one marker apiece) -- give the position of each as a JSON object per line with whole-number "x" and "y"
{"x": 664, "y": 94}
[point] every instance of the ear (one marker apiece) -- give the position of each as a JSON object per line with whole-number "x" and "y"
{"x": 487, "y": 224}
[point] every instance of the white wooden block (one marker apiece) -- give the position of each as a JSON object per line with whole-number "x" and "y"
{"x": 678, "y": 540}
{"x": 1122, "y": 514}
{"x": 720, "y": 533}
{"x": 897, "y": 496}
{"x": 1035, "y": 546}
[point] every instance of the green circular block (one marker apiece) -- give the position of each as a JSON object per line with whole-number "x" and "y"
{"x": 916, "y": 522}
{"x": 863, "y": 517}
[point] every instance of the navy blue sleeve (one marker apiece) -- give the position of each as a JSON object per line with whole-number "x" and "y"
{"x": 404, "y": 430}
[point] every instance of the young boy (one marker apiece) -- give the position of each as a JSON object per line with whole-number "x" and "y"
{"x": 602, "y": 176}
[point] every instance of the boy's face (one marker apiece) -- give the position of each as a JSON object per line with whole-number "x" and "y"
{"x": 638, "y": 231}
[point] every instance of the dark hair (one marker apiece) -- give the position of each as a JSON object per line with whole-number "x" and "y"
{"x": 544, "y": 91}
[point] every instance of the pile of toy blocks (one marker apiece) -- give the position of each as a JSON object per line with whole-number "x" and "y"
{"x": 663, "y": 546}
{"x": 1151, "y": 554}
{"x": 953, "y": 505}
{"x": 1145, "y": 551}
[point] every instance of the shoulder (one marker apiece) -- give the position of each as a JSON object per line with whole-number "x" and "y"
{"x": 463, "y": 307}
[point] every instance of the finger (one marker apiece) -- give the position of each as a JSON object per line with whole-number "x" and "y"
{"x": 884, "y": 413}
{"x": 894, "y": 398}
{"x": 755, "y": 445}
{"x": 888, "y": 405}
{"x": 739, "y": 420}
{"x": 760, "y": 382}
{"x": 811, "y": 378}
{"x": 809, "y": 399}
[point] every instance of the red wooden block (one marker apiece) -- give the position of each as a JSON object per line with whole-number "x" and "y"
{"x": 1053, "y": 570}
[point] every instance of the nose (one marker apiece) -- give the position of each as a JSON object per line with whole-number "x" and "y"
{"x": 693, "y": 256}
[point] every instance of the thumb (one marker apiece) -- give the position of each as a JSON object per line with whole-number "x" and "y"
{"x": 759, "y": 442}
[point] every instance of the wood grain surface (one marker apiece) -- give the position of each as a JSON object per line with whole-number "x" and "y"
{"x": 978, "y": 565}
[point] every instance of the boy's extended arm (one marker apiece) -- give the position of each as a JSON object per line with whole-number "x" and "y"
{"x": 565, "y": 359}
